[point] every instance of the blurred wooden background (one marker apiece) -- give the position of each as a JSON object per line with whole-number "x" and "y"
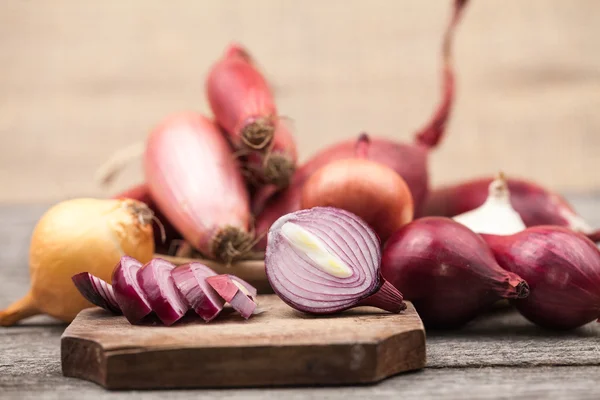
{"x": 79, "y": 80}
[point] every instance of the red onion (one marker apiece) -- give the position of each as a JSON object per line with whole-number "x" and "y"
{"x": 96, "y": 291}
{"x": 447, "y": 271}
{"x": 326, "y": 260}
{"x": 235, "y": 293}
{"x": 162, "y": 294}
{"x": 130, "y": 297}
{"x": 201, "y": 297}
{"x": 241, "y": 100}
{"x": 372, "y": 191}
{"x": 535, "y": 204}
{"x": 408, "y": 160}
{"x": 563, "y": 271}
{"x": 197, "y": 184}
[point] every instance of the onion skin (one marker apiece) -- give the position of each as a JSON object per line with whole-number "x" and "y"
{"x": 197, "y": 185}
{"x": 447, "y": 271}
{"x": 535, "y": 204}
{"x": 409, "y": 160}
{"x": 241, "y": 100}
{"x": 563, "y": 271}
{"x": 368, "y": 189}
{"x": 303, "y": 284}
{"x": 79, "y": 235}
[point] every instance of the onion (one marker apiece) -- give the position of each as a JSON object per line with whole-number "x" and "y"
{"x": 372, "y": 191}
{"x": 447, "y": 271}
{"x": 496, "y": 215}
{"x": 241, "y": 100}
{"x": 201, "y": 297}
{"x": 235, "y": 293}
{"x": 130, "y": 296}
{"x": 196, "y": 183}
{"x": 563, "y": 270}
{"x": 96, "y": 291}
{"x": 160, "y": 290}
{"x": 325, "y": 260}
{"x": 76, "y": 236}
{"x": 535, "y": 204}
{"x": 407, "y": 159}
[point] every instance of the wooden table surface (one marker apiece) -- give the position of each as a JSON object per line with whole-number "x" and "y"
{"x": 499, "y": 356}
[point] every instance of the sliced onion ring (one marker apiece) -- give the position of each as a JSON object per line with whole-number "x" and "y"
{"x": 96, "y": 291}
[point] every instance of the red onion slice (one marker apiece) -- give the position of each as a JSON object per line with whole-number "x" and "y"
{"x": 234, "y": 293}
{"x": 96, "y": 291}
{"x": 130, "y": 297}
{"x": 190, "y": 279}
{"x": 158, "y": 285}
{"x": 324, "y": 260}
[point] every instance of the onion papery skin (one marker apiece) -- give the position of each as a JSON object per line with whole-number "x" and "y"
{"x": 305, "y": 287}
{"x": 562, "y": 268}
{"x": 370, "y": 190}
{"x": 241, "y": 101}
{"x": 160, "y": 290}
{"x": 447, "y": 271}
{"x": 130, "y": 296}
{"x": 535, "y": 204}
{"x": 196, "y": 183}
{"x": 201, "y": 297}
{"x": 97, "y": 291}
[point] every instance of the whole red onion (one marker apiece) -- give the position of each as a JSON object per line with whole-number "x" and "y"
{"x": 562, "y": 269}
{"x": 324, "y": 260}
{"x": 407, "y": 159}
{"x": 535, "y": 204}
{"x": 447, "y": 271}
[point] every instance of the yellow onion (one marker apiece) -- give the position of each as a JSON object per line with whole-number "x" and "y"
{"x": 80, "y": 235}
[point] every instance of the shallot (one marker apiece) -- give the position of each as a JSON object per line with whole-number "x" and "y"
{"x": 97, "y": 291}
{"x": 197, "y": 185}
{"x": 372, "y": 191}
{"x": 325, "y": 260}
{"x": 562, "y": 268}
{"x": 535, "y": 204}
{"x": 241, "y": 100}
{"x": 408, "y": 160}
{"x": 447, "y": 271}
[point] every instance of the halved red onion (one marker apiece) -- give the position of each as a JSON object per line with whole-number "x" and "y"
{"x": 234, "y": 292}
{"x": 130, "y": 297}
{"x": 96, "y": 291}
{"x": 324, "y": 260}
{"x": 190, "y": 279}
{"x": 158, "y": 285}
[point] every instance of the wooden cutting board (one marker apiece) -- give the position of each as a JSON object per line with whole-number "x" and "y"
{"x": 277, "y": 347}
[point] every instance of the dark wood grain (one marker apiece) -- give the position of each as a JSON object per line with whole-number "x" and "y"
{"x": 280, "y": 346}
{"x": 498, "y": 356}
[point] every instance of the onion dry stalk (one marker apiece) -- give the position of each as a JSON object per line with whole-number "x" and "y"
{"x": 409, "y": 160}
{"x": 326, "y": 260}
{"x": 447, "y": 271}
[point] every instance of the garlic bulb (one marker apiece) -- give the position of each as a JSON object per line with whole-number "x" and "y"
{"x": 495, "y": 216}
